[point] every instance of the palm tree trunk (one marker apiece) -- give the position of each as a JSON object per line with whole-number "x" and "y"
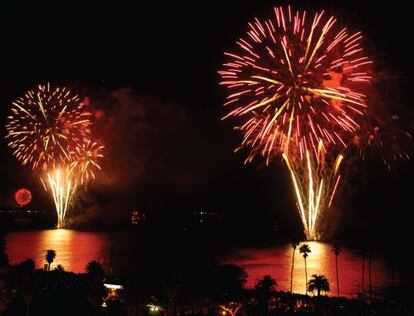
{"x": 337, "y": 275}
{"x": 369, "y": 277}
{"x": 306, "y": 279}
{"x": 291, "y": 271}
{"x": 363, "y": 274}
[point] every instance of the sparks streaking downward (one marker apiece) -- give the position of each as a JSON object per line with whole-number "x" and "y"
{"x": 50, "y": 131}
{"x": 85, "y": 162}
{"x": 315, "y": 184}
{"x": 297, "y": 83}
{"x": 61, "y": 182}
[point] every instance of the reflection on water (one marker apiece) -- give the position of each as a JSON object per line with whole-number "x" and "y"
{"x": 277, "y": 263}
{"x": 74, "y": 249}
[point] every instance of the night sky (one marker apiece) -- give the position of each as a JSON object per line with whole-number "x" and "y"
{"x": 151, "y": 72}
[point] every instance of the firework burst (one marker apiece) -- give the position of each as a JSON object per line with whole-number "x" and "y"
{"x": 23, "y": 197}
{"x": 85, "y": 160}
{"x": 49, "y": 130}
{"x": 44, "y": 125}
{"x": 296, "y": 82}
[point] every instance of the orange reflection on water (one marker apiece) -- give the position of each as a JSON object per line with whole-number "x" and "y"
{"x": 277, "y": 262}
{"x": 74, "y": 249}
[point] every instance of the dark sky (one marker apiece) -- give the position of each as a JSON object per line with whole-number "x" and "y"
{"x": 153, "y": 68}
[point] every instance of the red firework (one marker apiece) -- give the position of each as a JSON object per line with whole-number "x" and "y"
{"x": 23, "y": 197}
{"x": 295, "y": 81}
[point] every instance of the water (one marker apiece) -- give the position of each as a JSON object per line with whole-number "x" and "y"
{"x": 277, "y": 263}
{"x": 75, "y": 249}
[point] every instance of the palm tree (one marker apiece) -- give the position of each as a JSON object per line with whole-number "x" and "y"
{"x": 60, "y": 268}
{"x": 95, "y": 270}
{"x": 369, "y": 275}
{"x": 363, "y": 273}
{"x": 391, "y": 264}
{"x": 304, "y": 249}
{"x": 318, "y": 283}
{"x": 4, "y": 259}
{"x": 294, "y": 245}
{"x": 50, "y": 256}
{"x": 265, "y": 287}
{"x": 337, "y": 249}
{"x": 266, "y": 284}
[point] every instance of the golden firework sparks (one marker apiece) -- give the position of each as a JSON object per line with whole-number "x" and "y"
{"x": 49, "y": 129}
{"x": 297, "y": 82}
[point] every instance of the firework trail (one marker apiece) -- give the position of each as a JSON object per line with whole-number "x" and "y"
{"x": 62, "y": 184}
{"x": 315, "y": 183}
{"x": 315, "y": 180}
{"x": 296, "y": 82}
{"x": 49, "y": 129}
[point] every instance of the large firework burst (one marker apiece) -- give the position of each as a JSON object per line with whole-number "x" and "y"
{"x": 49, "y": 130}
{"x": 297, "y": 84}
{"x": 45, "y": 123}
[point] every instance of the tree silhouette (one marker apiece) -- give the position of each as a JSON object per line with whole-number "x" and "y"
{"x": 95, "y": 270}
{"x": 60, "y": 268}
{"x": 318, "y": 283}
{"x": 50, "y": 257}
{"x": 337, "y": 250}
{"x": 264, "y": 289}
{"x": 4, "y": 259}
{"x": 266, "y": 285}
{"x": 294, "y": 245}
{"x": 305, "y": 250}
{"x": 369, "y": 275}
{"x": 363, "y": 273}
